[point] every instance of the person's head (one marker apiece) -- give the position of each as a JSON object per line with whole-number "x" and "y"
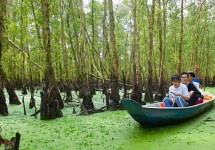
{"x": 191, "y": 76}
{"x": 175, "y": 79}
{"x": 184, "y": 77}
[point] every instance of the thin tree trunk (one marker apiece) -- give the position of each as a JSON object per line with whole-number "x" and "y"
{"x": 65, "y": 75}
{"x": 137, "y": 79}
{"x": 22, "y": 72}
{"x": 84, "y": 79}
{"x": 63, "y": 42}
{"x": 105, "y": 43}
{"x": 114, "y": 97}
{"x": 3, "y": 105}
{"x": 149, "y": 86}
{"x": 91, "y": 79}
{"x": 181, "y": 39}
{"x": 196, "y": 35}
{"x": 162, "y": 37}
{"x": 207, "y": 58}
{"x": 36, "y": 22}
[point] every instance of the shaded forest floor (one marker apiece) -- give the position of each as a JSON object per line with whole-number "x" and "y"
{"x": 114, "y": 130}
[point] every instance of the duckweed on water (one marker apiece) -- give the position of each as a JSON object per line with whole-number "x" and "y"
{"x": 111, "y": 130}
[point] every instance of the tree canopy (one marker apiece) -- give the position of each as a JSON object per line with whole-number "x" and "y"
{"x": 81, "y": 38}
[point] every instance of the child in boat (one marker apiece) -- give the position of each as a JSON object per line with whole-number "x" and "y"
{"x": 178, "y": 93}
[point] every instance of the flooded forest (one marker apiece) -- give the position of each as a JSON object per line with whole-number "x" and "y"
{"x": 57, "y": 56}
{"x": 133, "y": 46}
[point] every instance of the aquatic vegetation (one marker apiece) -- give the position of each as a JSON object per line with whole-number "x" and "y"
{"x": 114, "y": 130}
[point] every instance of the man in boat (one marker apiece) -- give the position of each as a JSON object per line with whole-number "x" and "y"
{"x": 195, "y": 95}
{"x": 191, "y": 79}
{"x": 178, "y": 93}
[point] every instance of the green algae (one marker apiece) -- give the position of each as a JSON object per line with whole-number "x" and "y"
{"x": 114, "y": 130}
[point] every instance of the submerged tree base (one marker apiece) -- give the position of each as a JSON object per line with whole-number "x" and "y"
{"x": 50, "y": 107}
{"x": 3, "y": 105}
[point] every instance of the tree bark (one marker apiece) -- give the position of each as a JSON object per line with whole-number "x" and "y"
{"x": 181, "y": 39}
{"x": 63, "y": 43}
{"x": 105, "y": 43}
{"x": 13, "y": 98}
{"x": 149, "y": 86}
{"x": 137, "y": 79}
{"x": 162, "y": 44}
{"x": 114, "y": 97}
{"x": 84, "y": 78}
{"x": 196, "y": 34}
{"x": 51, "y": 101}
{"x": 3, "y": 105}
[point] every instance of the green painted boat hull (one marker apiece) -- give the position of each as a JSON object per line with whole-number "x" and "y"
{"x": 154, "y": 115}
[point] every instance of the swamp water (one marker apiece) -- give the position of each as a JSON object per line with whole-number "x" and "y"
{"x": 110, "y": 130}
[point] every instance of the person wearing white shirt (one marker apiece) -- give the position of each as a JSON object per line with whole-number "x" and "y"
{"x": 178, "y": 93}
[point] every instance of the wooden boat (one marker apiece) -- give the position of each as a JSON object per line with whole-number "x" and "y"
{"x": 155, "y": 115}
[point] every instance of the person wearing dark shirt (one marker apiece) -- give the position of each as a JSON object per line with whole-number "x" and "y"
{"x": 191, "y": 79}
{"x": 193, "y": 91}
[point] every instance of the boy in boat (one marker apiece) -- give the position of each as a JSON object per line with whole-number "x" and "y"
{"x": 195, "y": 96}
{"x": 191, "y": 79}
{"x": 178, "y": 93}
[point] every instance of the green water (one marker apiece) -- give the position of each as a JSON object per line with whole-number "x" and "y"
{"x": 111, "y": 130}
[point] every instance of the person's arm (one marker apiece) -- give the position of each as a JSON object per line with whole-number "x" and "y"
{"x": 194, "y": 89}
{"x": 184, "y": 94}
{"x": 185, "y": 97}
{"x": 196, "y": 85}
{"x": 171, "y": 92}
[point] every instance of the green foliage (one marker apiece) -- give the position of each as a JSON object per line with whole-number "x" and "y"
{"x": 26, "y": 33}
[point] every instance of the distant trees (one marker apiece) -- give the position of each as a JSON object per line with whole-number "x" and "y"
{"x": 140, "y": 42}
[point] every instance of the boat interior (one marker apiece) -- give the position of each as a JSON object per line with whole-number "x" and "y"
{"x": 160, "y": 104}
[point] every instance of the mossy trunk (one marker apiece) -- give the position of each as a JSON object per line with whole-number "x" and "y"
{"x": 114, "y": 95}
{"x": 85, "y": 94}
{"x": 68, "y": 90}
{"x": 3, "y": 105}
{"x": 50, "y": 106}
{"x": 13, "y": 98}
{"x": 51, "y": 101}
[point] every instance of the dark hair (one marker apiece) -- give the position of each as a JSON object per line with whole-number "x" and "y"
{"x": 175, "y": 77}
{"x": 192, "y": 74}
{"x": 185, "y": 73}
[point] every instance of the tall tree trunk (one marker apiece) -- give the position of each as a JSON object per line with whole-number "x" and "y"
{"x": 3, "y": 105}
{"x": 149, "y": 86}
{"x": 162, "y": 41}
{"x": 106, "y": 52}
{"x": 137, "y": 80}
{"x": 114, "y": 97}
{"x": 51, "y": 102}
{"x": 23, "y": 68}
{"x": 105, "y": 43}
{"x": 91, "y": 79}
{"x": 196, "y": 35}
{"x": 181, "y": 39}
{"x": 207, "y": 58}
{"x": 63, "y": 42}
{"x": 84, "y": 79}
{"x": 65, "y": 75}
